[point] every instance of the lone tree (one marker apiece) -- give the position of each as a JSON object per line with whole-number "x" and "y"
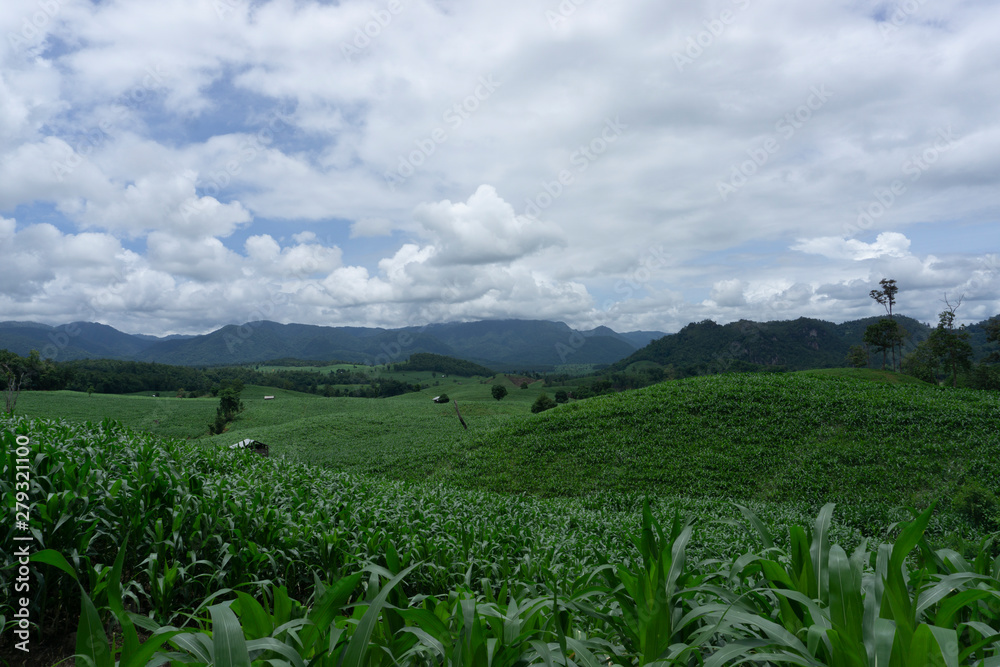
{"x": 17, "y": 372}
{"x": 230, "y": 405}
{"x": 498, "y": 391}
{"x": 892, "y": 333}
{"x": 951, "y": 345}
{"x": 882, "y": 336}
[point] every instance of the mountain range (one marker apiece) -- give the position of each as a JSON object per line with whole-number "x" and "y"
{"x": 499, "y": 344}
{"x": 502, "y": 345}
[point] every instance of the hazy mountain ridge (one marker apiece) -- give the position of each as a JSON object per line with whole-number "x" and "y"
{"x": 500, "y": 344}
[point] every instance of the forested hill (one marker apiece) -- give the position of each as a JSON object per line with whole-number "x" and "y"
{"x": 795, "y": 345}
{"x": 424, "y": 361}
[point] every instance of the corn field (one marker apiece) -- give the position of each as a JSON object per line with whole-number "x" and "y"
{"x": 164, "y": 552}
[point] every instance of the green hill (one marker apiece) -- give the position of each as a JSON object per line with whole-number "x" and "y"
{"x": 869, "y": 445}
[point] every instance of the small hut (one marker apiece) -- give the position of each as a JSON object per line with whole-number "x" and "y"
{"x": 253, "y": 445}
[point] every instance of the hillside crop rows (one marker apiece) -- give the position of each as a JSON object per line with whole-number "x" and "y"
{"x": 870, "y": 446}
{"x": 264, "y": 561}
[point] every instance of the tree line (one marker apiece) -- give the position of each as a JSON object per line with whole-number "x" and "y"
{"x": 945, "y": 356}
{"x": 109, "y": 376}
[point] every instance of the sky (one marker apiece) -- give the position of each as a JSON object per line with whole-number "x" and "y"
{"x": 175, "y": 166}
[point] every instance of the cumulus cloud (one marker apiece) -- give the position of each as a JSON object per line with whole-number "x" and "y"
{"x": 181, "y": 145}
{"x": 483, "y": 230}
{"x": 888, "y": 244}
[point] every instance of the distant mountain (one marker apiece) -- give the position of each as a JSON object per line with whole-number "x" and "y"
{"x": 76, "y": 340}
{"x": 499, "y": 344}
{"x": 526, "y": 344}
{"x": 503, "y": 345}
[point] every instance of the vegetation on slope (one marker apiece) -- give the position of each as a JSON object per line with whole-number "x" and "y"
{"x": 424, "y": 361}
{"x": 873, "y": 446}
{"x": 259, "y": 561}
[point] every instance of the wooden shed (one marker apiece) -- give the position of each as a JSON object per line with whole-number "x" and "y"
{"x": 253, "y": 445}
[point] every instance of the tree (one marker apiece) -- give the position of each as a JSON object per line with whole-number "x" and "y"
{"x": 542, "y": 403}
{"x": 951, "y": 345}
{"x": 857, "y": 356}
{"x": 887, "y": 298}
{"x": 921, "y": 363}
{"x": 880, "y": 337}
{"x": 230, "y": 405}
{"x": 17, "y": 374}
{"x": 561, "y": 396}
{"x": 498, "y": 391}
{"x": 993, "y": 336}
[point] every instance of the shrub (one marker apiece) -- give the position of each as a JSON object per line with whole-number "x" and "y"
{"x": 977, "y": 504}
{"x": 561, "y": 396}
{"x": 543, "y": 403}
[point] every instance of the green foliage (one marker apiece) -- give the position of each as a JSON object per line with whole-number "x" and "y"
{"x": 542, "y": 403}
{"x": 424, "y": 361}
{"x": 992, "y": 327}
{"x": 977, "y": 504}
{"x": 498, "y": 391}
{"x": 857, "y": 356}
{"x": 562, "y": 396}
{"x": 443, "y": 398}
{"x": 17, "y": 373}
{"x": 950, "y": 345}
{"x": 230, "y": 559}
{"x": 788, "y": 437}
{"x": 921, "y": 363}
{"x": 883, "y": 336}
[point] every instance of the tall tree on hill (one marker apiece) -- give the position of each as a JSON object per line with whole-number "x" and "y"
{"x": 881, "y": 337}
{"x": 951, "y": 345}
{"x": 886, "y": 297}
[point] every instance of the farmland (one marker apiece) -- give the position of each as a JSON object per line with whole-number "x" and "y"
{"x": 382, "y": 531}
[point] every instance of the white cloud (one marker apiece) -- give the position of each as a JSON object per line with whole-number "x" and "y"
{"x": 888, "y": 244}
{"x": 484, "y": 230}
{"x": 202, "y": 139}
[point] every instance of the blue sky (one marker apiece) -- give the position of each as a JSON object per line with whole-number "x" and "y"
{"x": 177, "y": 166}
